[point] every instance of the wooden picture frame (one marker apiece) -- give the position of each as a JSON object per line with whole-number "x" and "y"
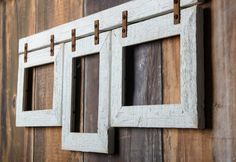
{"x": 189, "y": 113}
{"x": 40, "y": 118}
{"x": 102, "y": 141}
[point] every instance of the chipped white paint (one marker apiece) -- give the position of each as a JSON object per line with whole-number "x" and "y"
{"x": 41, "y": 118}
{"x": 102, "y": 141}
{"x": 109, "y": 19}
{"x": 188, "y": 114}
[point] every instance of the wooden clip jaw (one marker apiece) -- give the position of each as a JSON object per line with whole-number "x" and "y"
{"x": 96, "y": 32}
{"x": 124, "y": 23}
{"x": 52, "y": 45}
{"x": 176, "y": 11}
{"x": 25, "y": 52}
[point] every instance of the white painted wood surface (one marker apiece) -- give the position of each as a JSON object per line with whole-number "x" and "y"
{"x": 102, "y": 141}
{"x": 41, "y": 118}
{"x": 188, "y": 114}
{"x": 109, "y": 19}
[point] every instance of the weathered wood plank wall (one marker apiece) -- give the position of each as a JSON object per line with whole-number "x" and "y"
{"x": 20, "y": 18}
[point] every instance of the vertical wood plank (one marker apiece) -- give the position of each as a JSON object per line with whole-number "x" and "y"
{"x": 47, "y": 141}
{"x": 143, "y": 74}
{"x": 217, "y": 143}
{"x": 91, "y": 7}
{"x": 2, "y": 51}
{"x": 91, "y": 93}
{"x": 15, "y": 141}
{"x": 142, "y": 145}
{"x": 145, "y": 62}
{"x": 25, "y": 11}
{"x": 43, "y": 87}
{"x": 171, "y": 70}
{"x": 42, "y": 99}
{"x": 224, "y": 79}
{"x": 180, "y": 144}
{"x": 91, "y": 71}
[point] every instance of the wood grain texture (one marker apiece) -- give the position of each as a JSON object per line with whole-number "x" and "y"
{"x": 141, "y": 60}
{"x": 131, "y": 144}
{"x": 171, "y": 70}
{"x": 91, "y": 7}
{"x": 19, "y": 21}
{"x": 224, "y": 79}
{"x": 13, "y": 141}
{"x": 180, "y": 144}
{"x": 2, "y": 58}
{"x": 43, "y": 87}
{"x": 134, "y": 144}
{"x": 47, "y": 142}
{"x": 91, "y": 97}
{"x": 217, "y": 143}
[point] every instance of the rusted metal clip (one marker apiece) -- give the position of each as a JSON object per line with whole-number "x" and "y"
{"x": 73, "y": 40}
{"x": 96, "y": 32}
{"x": 25, "y": 52}
{"x": 124, "y": 23}
{"x": 52, "y": 45}
{"x": 176, "y": 11}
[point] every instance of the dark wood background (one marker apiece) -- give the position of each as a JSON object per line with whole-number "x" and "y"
{"x": 20, "y": 18}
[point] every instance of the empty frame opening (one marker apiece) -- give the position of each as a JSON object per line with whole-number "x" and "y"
{"x": 85, "y": 94}
{"x": 38, "y": 88}
{"x": 152, "y": 73}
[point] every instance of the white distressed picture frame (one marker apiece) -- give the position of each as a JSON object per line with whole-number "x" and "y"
{"x": 189, "y": 113}
{"x": 40, "y": 118}
{"x": 102, "y": 141}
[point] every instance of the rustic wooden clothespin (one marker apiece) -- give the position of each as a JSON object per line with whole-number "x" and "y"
{"x": 25, "y": 52}
{"x": 52, "y": 45}
{"x": 73, "y": 40}
{"x": 176, "y": 11}
{"x": 124, "y": 23}
{"x": 96, "y": 32}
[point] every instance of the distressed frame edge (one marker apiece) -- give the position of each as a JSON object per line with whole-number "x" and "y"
{"x": 67, "y": 135}
{"x": 193, "y": 123}
{"x": 39, "y": 118}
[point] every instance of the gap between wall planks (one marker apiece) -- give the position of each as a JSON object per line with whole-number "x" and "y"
{"x": 15, "y": 143}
